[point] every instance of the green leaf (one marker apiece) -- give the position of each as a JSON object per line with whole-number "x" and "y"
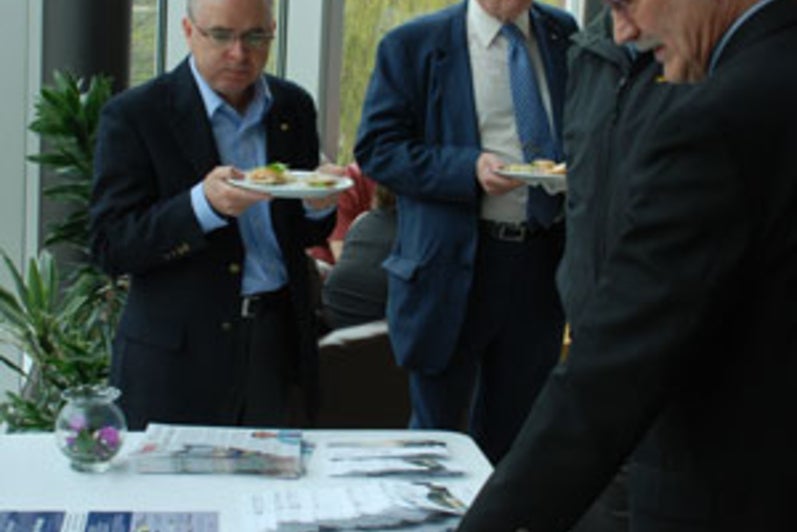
{"x": 16, "y": 368}
{"x": 10, "y": 310}
{"x": 277, "y": 166}
{"x": 37, "y": 291}
{"x": 17, "y": 278}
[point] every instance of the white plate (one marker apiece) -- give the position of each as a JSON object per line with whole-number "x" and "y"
{"x": 298, "y": 189}
{"x": 551, "y": 182}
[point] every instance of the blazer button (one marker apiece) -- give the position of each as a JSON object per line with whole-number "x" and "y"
{"x": 226, "y": 326}
{"x": 234, "y": 268}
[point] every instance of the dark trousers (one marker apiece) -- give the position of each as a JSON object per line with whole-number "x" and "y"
{"x": 511, "y": 338}
{"x": 265, "y": 337}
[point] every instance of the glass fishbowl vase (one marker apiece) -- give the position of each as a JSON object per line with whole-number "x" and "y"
{"x": 90, "y": 427}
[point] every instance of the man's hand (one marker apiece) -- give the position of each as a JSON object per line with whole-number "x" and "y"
{"x": 331, "y": 169}
{"x": 322, "y": 203}
{"x": 492, "y": 183}
{"x": 226, "y": 199}
{"x": 327, "y": 201}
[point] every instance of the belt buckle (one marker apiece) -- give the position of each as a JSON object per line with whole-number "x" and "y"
{"x": 511, "y": 233}
{"x": 246, "y": 307}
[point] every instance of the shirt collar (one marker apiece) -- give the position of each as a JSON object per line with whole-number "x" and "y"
{"x": 486, "y": 27}
{"x": 726, "y": 37}
{"x": 213, "y": 102}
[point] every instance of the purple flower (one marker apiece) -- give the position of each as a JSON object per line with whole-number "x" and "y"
{"x": 78, "y": 422}
{"x": 109, "y": 437}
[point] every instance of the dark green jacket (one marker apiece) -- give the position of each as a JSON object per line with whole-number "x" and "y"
{"x": 611, "y": 100}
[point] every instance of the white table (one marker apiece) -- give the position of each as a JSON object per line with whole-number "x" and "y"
{"x": 34, "y": 475}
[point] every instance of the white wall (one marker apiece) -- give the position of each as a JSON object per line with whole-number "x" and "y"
{"x": 20, "y": 26}
{"x": 176, "y": 48}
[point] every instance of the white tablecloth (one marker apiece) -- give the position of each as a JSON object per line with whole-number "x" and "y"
{"x": 34, "y": 475}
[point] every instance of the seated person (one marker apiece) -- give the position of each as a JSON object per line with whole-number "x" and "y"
{"x": 351, "y": 203}
{"x": 355, "y": 290}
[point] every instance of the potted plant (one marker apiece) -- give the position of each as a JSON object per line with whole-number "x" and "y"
{"x": 63, "y": 332}
{"x": 63, "y": 323}
{"x": 66, "y": 120}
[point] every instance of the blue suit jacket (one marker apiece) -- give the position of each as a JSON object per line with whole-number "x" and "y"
{"x": 419, "y": 136}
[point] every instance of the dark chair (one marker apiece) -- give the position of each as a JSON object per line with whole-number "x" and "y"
{"x": 361, "y": 386}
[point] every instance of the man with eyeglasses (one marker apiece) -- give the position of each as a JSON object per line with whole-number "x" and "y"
{"x": 686, "y": 348}
{"x": 217, "y": 327}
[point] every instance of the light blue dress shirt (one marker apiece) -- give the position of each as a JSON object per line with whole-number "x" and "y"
{"x": 241, "y": 142}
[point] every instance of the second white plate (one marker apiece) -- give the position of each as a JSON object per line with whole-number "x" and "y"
{"x": 551, "y": 182}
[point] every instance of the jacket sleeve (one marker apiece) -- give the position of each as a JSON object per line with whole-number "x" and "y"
{"x": 134, "y": 226}
{"x": 401, "y": 139}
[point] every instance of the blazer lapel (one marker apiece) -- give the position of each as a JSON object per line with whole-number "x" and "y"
{"x": 189, "y": 122}
{"x": 768, "y": 21}
{"x": 552, "y": 43}
{"x": 451, "y": 85}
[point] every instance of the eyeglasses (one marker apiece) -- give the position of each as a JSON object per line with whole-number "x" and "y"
{"x": 619, "y": 5}
{"x": 223, "y": 38}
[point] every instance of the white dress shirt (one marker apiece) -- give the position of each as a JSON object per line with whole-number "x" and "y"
{"x": 495, "y": 112}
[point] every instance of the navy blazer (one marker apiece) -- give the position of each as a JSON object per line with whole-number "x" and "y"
{"x": 419, "y": 136}
{"x": 172, "y": 349}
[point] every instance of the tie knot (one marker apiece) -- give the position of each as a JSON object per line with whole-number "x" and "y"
{"x": 513, "y": 34}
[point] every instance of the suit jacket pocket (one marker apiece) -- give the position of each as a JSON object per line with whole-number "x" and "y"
{"x": 163, "y": 334}
{"x": 401, "y": 267}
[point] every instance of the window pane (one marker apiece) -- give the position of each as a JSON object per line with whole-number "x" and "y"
{"x": 364, "y": 23}
{"x": 143, "y": 40}
{"x": 276, "y": 46}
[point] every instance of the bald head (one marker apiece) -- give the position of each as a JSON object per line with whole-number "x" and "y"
{"x": 193, "y": 6}
{"x": 230, "y": 42}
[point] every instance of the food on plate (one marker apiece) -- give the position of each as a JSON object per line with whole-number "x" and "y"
{"x": 321, "y": 180}
{"x": 271, "y": 174}
{"x": 542, "y": 166}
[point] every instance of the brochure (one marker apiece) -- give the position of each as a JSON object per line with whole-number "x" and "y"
{"x": 389, "y": 448}
{"x": 192, "y": 449}
{"x": 95, "y": 521}
{"x": 377, "y": 505}
{"x": 389, "y": 458}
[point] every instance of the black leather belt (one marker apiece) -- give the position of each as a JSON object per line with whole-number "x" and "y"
{"x": 254, "y": 304}
{"x": 507, "y": 231}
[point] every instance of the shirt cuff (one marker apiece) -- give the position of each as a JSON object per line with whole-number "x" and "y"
{"x": 207, "y": 217}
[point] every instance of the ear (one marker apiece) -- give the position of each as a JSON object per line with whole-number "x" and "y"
{"x": 188, "y": 29}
